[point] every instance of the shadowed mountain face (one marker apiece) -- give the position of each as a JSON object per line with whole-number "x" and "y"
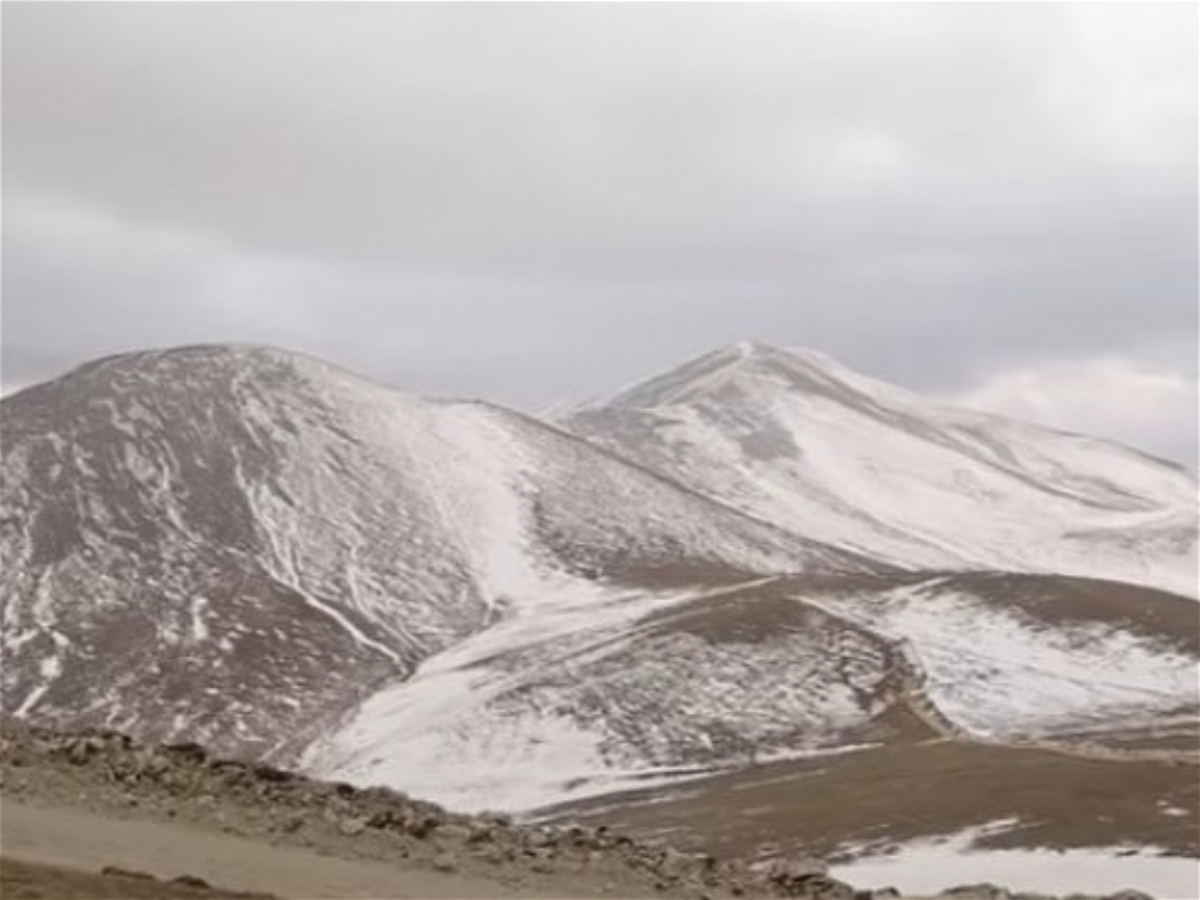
{"x": 796, "y": 439}
{"x": 758, "y": 560}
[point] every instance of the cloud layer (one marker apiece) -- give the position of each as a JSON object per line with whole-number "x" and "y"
{"x": 533, "y": 202}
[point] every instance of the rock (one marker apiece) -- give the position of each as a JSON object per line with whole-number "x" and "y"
{"x": 352, "y": 827}
{"x": 540, "y": 837}
{"x": 676, "y": 865}
{"x": 191, "y": 881}
{"x": 383, "y": 818}
{"x": 542, "y": 856}
{"x": 790, "y": 869}
{"x": 383, "y": 796}
{"x": 421, "y": 826}
{"x": 272, "y": 775}
{"x": 1128, "y": 894}
{"x": 498, "y": 855}
{"x": 445, "y": 862}
{"x": 982, "y": 891}
{"x": 113, "y": 740}
{"x": 822, "y": 887}
{"x": 152, "y": 765}
{"x": 578, "y": 836}
{"x": 290, "y": 824}
{"x": 453, "y": 834}
{"x": 481, "y": 833}
{"x": 188, "y": 752}
{"x": 81, "y": 750}
{"x": 806, "y": 878}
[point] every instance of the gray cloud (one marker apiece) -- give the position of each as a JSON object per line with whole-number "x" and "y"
{"x": 533, "y": 202}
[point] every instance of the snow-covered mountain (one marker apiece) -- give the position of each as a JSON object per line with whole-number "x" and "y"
{"x": 754, "y": 560}
{"x": 238, "y": 544}
{"x": 797, "y": 439}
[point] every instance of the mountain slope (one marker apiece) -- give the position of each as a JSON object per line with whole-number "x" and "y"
{"x": 628, "y": 695}
{"x": 621, "y": 692}
{"x": 795, "y": 438}
{"x": 265, "y": 554}
{"x": 237, "y": 544}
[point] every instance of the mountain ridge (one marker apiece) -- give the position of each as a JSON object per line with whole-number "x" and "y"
{"x": 800, "y": 440}
{"x": 266, "y": 554}
{"x": 206, "y": 473}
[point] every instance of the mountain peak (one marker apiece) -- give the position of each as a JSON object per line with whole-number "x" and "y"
{"x": 747, "y": 349}
{"x": 736, "y": 367}
{"x": 792, "y": 436}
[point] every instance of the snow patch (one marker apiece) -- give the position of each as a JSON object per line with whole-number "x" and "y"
{"x": 932, "y": 865}
{"x": 1001, "y": 675}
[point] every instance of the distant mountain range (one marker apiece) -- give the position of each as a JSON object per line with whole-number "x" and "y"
{"x": 754, "y": 558}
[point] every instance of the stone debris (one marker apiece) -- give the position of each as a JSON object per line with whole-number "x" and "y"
{"x": 284, "y": 802}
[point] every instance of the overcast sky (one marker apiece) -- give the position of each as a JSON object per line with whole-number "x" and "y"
{"x": 534, "y": 203}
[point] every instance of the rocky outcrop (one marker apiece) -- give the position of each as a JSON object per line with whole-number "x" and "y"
{"x": 286, "y": 803}
{"x": 186, "y": 776}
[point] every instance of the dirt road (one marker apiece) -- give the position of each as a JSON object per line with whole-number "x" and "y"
{"x": 77, "y": 839}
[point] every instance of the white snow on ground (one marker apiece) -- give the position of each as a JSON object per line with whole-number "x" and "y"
{"x": 436, "y": 736}
{"x": 932, "y": 865}
{"x": 565, "y": 700}
{"x": 998, "y": 673}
